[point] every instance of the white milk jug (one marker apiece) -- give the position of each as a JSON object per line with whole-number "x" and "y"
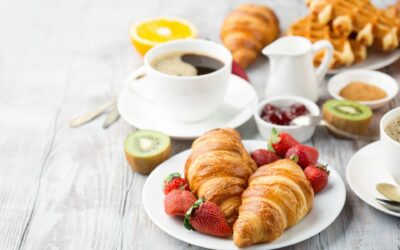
{"x": 291, "y": 67}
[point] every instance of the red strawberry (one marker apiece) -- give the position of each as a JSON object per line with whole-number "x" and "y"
{"x": 237, "y": 70}
{"x": 206, "y": 217}
{"x": 317, "y": 176}
{"x": 174, "y": 181}
{"x": 177, "y": 202}
{"x": 263, "y": 157}
{"x": 303, "y": 155}
{"x": 281, "y": 142}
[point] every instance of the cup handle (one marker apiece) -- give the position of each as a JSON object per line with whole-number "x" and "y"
{"x": 323, "y": 67}
{"x": 134, "y": 76}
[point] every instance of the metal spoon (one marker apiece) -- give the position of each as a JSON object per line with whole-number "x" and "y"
{"x": 111, "y": 118}
{"x": 390, "y": 191}
{"x": 390, "y": 205}
{"x": 85, "y": 118}
{"x": 312, "y": 120}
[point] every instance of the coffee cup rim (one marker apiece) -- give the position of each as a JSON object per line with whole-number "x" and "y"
{"x": 227, "y": 62}
{"x": 384, "y": 121}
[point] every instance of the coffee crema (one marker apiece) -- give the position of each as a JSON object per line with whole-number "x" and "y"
{"x": 392, "y": 129}
{"x": 186, "y": 64}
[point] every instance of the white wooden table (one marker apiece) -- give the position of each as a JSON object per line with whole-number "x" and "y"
{"x": 63, "y": 188}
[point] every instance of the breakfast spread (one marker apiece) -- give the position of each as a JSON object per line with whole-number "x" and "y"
{"x": 392, "y": 129}
{"x": 247, "y": 29}
{"x": 149, "y": 33}
{"x": 347, "y": 115}
{"x": 283, "y": 116}
{"x": 145, "y": 150}
{"x": 226, "y": 190}
{"x": 360, "y": 91}
{"x": 351, "y": 27}
{"x": 223, "y": 189}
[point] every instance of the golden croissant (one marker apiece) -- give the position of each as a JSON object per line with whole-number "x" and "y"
{"x": 247, "y": 30}
{"x": 278, "y": 197}
{"x": 218, "y": 169}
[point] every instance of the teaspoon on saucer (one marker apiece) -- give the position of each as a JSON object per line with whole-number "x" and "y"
{"x": 311, "y": 120}
{"x": 390, "y": 191}
{"x": 391, "y": 205}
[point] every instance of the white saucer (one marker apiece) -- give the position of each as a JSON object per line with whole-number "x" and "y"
{"x": 327, "y": 206}
{"x": 364, "y": 171}
{"x": 237, "y": 107}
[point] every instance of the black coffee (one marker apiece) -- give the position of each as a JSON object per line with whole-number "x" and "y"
{"x": 186, "y": 64}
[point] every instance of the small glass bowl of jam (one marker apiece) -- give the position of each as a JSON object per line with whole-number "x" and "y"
{"x": 278, "y": 112}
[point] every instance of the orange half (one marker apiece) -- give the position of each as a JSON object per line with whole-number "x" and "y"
{"x": 147, "y": 34}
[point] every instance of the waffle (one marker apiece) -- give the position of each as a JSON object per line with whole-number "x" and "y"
{"x": 310, "y": 28}
{"x": 393, "y": 11}
{"x": 371, "y": 25}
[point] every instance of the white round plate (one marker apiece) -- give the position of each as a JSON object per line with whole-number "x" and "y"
{"x": 364, "y": 171}
{"x": 327, "y": 206}
{"x": 375, "y": 60}
{"x": 237, "y": 107}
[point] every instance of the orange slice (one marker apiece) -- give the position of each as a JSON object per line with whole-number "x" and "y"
{"x": 148, "y": 33}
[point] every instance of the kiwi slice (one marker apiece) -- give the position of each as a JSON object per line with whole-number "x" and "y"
{"x": 347, "y": 115}
{"x": 146, "y": 149}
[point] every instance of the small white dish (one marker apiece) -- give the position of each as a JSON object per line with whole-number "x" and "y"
{"x": 376, "y": 78}
{"x": 375, "y": 60}
{"x": 300, "y": 133}
{"x": 327, "y": 206}
{"x": 136, "y": 109}
{"x": 364, "y": 171}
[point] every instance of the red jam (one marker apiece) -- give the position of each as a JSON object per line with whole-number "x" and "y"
{"x": 283, "y": 116}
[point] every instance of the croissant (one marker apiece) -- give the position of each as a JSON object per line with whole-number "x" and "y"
{"x": 247, "y": 30}
{"x": 278, "y": 197}
{"x": 218, "y": 169}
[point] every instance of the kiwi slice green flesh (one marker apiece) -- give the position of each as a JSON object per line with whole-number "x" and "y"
{"x": 146, "y": 149}
{"x": 347, "y": 115}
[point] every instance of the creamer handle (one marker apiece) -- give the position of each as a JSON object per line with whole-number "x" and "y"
{"x": 324, "y": 66}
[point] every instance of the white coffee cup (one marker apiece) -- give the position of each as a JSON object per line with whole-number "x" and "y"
{"x": 390, "y": 147}
{"x": 186, "y": 98}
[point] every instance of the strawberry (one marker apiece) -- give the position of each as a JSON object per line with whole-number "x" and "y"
{"x": 317, "y": 176}
{"x": 237, "y": 70}
{"x": 174, "y": 181}
{"x": 303, "y": 155}
{"x": 281, "y": 142}
{"x": 263, "y": 157}
{"x": 177, "y": 202}
{"x": 206, "y": 217}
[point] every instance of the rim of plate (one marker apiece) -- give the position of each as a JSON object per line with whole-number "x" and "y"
{"x": 187, "y": 136}
{"x": 359, "y": 195}
{"x": 257, "y": 246}
{"x": 392, "y": 57}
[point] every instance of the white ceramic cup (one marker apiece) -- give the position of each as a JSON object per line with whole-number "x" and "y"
{"x": 186, "y": 98}
{"x": 390, "y": 147}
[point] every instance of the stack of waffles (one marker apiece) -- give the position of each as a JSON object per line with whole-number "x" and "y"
{"x": 351, "y": 26}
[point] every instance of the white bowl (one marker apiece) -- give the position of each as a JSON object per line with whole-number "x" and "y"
{"x": 300, "y": 133}
{"x": 376, "y": 78}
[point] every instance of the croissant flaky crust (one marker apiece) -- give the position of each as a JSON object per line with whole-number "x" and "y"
{"x": 247, "y": 30}
{"x": 278, "y": 197}
{"x": 218, "y": 169}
